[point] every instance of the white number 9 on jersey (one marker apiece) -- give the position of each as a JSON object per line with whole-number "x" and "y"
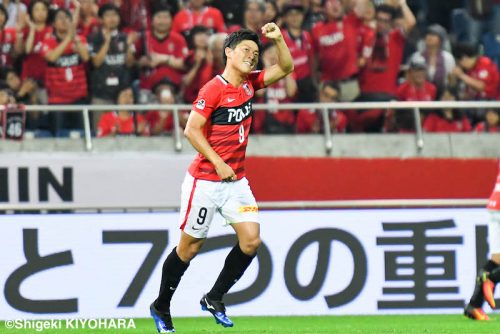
{"x": 242, "y": 133}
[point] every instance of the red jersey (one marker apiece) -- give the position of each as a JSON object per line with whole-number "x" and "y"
{"x": 409, "y": 92}
{"x": 34, "y": 65}
{"x": 85, "y": 29}
{"x": 486, "y": 71}
{"x": 366, "y": 40}
{"x": 175, "y": 45}
{"x": 335, "y": 43}
{"x": 228, "y": 111}
{"x": 483, "y": 127}
{"x": 301, "y": 51}
{"x": 154, "y": 117}
{"x": 65, "y": 79}
{"x": 436, "y": 123}
{"x": 7, "y": 42}
{"x": 111, "y": 124}
{"x": 381, "y": 72}
{"x": 209, "y": 17}
{"x": 494, "y": 200}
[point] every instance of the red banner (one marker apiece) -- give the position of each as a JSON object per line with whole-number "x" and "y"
{"x": 323, "y": 179}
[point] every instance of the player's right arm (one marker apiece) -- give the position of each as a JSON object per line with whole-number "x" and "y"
{"x": 194, "y": 133}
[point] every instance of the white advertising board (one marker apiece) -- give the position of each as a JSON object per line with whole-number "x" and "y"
{"x": 112, "y": 180}
{"x": 312, "y": 262}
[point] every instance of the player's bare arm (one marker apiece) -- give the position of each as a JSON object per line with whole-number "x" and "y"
{"x": 194, "y": 133}
{"x": 285, "y": 63}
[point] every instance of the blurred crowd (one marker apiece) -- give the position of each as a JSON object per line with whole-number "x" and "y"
{"x": 120, "y": 52}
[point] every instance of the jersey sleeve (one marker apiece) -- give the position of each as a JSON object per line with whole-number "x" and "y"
{"x": 207, "y": 100}
{"x": 256, "y": 78}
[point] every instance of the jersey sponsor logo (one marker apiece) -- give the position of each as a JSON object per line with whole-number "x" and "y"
{"x": 232, "y": 115}
{"x": 497, "y": 188}
{"x": 248, "y": 208}
{"x": 68, "y": 61}
{"x": 331, "y": 39}
{"x": 483, "y": 74}
{"x": 113, "y": 60}
{"x": 201, "y": 104}
{"x": 230, "y": 100}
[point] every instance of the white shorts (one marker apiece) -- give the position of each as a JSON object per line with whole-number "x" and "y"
{"x": 200, "y": 200}
{"x": 494, "y": 231}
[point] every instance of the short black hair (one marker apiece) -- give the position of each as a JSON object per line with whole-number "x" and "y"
{"x": 106, "y": 7}
{"x": 198, "y": 29}
{"x": 5, "y": 13}
{"x": 63, "y": 10}
{"x": 161, "y": 8}
{"x": 465, "y": 50}
{"x": 385, "y": 8}
{"x": 237, "y": 37}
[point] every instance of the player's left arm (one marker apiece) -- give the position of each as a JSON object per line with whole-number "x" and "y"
{"x": 285, "y": 61}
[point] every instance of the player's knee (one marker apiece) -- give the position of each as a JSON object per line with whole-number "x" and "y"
{"x": 250, "y": 246}
{"x": 188, "y": 252}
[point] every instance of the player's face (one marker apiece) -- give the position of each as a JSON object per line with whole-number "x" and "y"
{"x": 244, "y": 57}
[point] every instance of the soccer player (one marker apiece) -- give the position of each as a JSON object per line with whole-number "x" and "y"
{"x": 489, "y": 275}
{"x": 218, "y": 128}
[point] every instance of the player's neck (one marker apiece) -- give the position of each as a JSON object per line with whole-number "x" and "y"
{"x": 235, "y": 78}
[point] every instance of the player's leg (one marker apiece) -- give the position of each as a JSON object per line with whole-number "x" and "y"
{"x": 489, "y": 274}
{"x": 240, "y": 210}
{"x": 173, "y": 268}
{"x": 492, "y": 276}
{"x": 196, "y": 215}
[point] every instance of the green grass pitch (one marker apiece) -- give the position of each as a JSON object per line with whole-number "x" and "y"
{"x": 387, "y": 324}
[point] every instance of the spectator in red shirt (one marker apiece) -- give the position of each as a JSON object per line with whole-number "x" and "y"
{"x": 65, "y": 78}
{"x": 447, "y": 120}
{"x": 335, "y": 43}
{"x": 123, "y": 122}
{"x": 415, "y": 88}
{"x": 200, "y": 69}
{"x": 198, "y": 14}
{"x": 34, "y": 65}
{"x": 276, "y": 121}
{"x": 299, "y": 43}
{"x": 88, "y": 22}
{"x": 309, "y": 120}
{"x": 491, "y": 122}
{"x": 10, "y": 40}
{"x": 378, "y": 79}
{"x": 478, "y": 73}
{"x": 163, "y": 51}
{"x": 161, "y": 122}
